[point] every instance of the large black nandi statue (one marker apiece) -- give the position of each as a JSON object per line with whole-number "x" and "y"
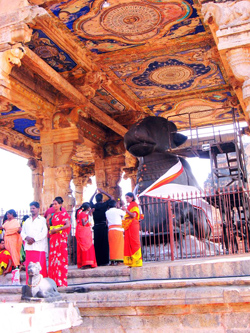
{"x": 150, "y": 140}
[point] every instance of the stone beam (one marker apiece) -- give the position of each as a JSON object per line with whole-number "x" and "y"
{"x": 18, "y": 144}
{"x": 61, "y": 135}
{"x": 44, "y": 70}
{"x": 25, "y": 99}
{"x": 64, "y": 38}
{"x": 71, "y": 45}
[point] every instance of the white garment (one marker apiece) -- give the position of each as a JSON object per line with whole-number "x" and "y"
{"x": 114, "y": 217}
{"x": 38, "y": 230}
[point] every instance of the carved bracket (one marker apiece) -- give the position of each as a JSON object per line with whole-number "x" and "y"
{"x": 226, "y": 14}
{"x": 14, "y": 20}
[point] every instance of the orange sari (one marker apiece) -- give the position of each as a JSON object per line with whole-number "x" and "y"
{"x": 13, "y": 240}
{"x": 85, "y": 246}
{"x": 132, "y": 245}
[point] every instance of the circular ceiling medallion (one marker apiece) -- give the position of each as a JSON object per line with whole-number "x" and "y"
{"x": 32, "y": 130}
{"x": 46, "y": 51}
{"x": 171, "y": 75}
{"x": 132, "y": 19}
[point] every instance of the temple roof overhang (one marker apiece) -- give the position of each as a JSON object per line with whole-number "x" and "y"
{"x": 91, "y": 71}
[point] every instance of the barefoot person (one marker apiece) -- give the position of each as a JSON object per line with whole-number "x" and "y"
{"x": 116, "y": 240}
{"x": 58, "y": 256}
{"x": 34, "y": 233}
{"x": 85, "y": 247}
{"x": 132, "y": 246}
{"x": 12, "y": 237}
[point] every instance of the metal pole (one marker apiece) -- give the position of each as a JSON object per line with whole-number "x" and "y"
{"x": 171, "y": 230}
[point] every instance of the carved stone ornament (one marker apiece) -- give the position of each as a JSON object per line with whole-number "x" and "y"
{"x": 10, "y": 58}
{"x": 239, "y": 61}
{"x": 226, "y": 14}
{"x": 5, "y": 106}
{"x": 38, "y": 288}
{"x": 17, "y": 141}
{"x": 63, "y": 176}
{"x": 15, "y": 15}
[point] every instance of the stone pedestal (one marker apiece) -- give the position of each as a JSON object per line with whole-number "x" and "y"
{"x": 39, "y": 318}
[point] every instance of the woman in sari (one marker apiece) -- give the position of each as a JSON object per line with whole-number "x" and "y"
{"x": 12, "y": 238}
{"x": 58, "y": 256}
{"x": 132, "y": 246}
{"x": 85, "y": 247}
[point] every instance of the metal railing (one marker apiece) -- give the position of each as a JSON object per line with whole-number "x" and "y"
{"x": 201, "y": 224}
{"x": 196, "y": 225}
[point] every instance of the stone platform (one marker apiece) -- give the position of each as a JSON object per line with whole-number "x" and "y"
{"x": 219, "y": 266}
{"x": 196, "y": 295}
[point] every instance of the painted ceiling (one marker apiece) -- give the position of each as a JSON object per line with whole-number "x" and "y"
{"x": 158, "y": 54}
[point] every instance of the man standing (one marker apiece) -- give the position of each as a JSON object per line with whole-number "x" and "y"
{"x": 34, "y": 233}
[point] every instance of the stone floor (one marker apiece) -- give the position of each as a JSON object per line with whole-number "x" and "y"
{"x": 193, "y": 295}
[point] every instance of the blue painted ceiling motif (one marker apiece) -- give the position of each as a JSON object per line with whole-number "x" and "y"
{"x": 161, "y": 74}
{"x": 27, "y": 128}
{"x": 69, "y": 11}
{"x": 52, "y": 54}
{"x": 213, "y": 98}
{"x": 72, "y": 14}
{"x": 12, "y": 110}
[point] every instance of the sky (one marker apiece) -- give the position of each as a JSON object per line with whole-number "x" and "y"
{"x": 16, "y": 190}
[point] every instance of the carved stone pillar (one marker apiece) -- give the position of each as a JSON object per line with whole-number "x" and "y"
{"x": 49, "y": 172}
{"x": 48, "y": 187}
{"x": 63, "y": 177}
{"x": 230, "y": 25}
{"x": 113, "y": 169}
{"x": 81, "y": 177}
{"x": 58, "y": 146}
{"x": 78, "y": 182}
{"x": 108, "y": 171}
{"x": 100, "y": 175}
{"x": 131, "y": 173}
{"x": 130, "y": 169}
{"x": 37, "y": 178}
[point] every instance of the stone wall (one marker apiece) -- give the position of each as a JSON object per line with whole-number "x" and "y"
{"x": 171, "y": 319}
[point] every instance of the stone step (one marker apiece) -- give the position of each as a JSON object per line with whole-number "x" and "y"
{"x": 221, "y": 266}
{"x": 158, "y": 292}
{"x": 75, "y": 275}
{"x": 119, "y": 293}
{"x": 98, "y": 274}
{"x": 6, "y": 280}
